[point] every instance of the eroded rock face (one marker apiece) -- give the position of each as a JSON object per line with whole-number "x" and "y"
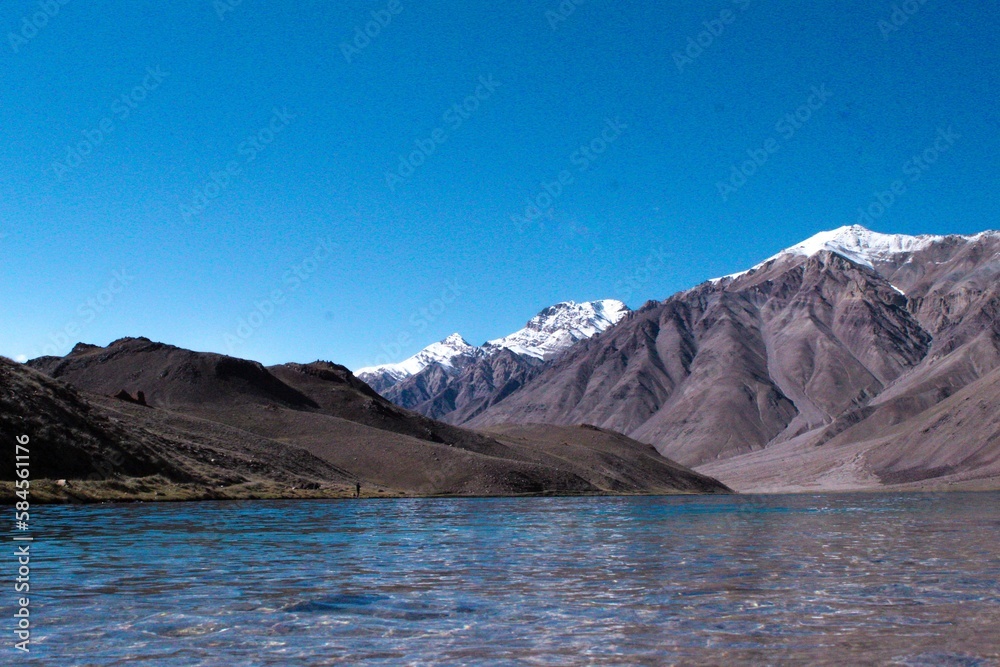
{"x": 456, "y": 397}
{"x": 810, "y": 346}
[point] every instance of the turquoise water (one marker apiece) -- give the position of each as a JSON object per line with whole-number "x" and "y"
{"x": 809, "y": 579}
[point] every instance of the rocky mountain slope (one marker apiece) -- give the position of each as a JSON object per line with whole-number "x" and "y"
{"x": 298, "y": 426}
{"x": 851, "y": 340}
{"x": 458, "y": 397}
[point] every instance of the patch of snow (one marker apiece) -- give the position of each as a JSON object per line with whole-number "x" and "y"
{"x": 858, "y": 244}
{"x": 446, "y": 352}
{"x": 861, "y": 245}
{"x": 547, "y": 334}
{"x": 558, "y": 327}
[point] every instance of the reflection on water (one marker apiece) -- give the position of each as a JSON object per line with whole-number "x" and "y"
{"x": 823, "y": 579}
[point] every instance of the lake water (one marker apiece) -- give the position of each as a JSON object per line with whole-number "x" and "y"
{"x": 802, "y": 579}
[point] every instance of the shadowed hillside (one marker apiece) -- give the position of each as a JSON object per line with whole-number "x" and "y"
{"x": 345, "y": 431}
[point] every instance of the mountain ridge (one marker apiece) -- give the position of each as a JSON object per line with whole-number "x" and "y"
{"x": 852, "y": 360}
{"x": 840, "y": 333}
{"x": 454, "y": 381}
{"x": 552, "y": 330}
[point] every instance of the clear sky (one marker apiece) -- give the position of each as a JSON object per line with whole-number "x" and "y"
{"x": 279, "y": 161}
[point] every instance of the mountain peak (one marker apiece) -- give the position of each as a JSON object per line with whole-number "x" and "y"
{"x": 448, "y": 352}
{"x": 455, "y": 340}
{"x": 557, "y": 327}
{"x": 548, "y": 333}
{"x": 860, "y": 245}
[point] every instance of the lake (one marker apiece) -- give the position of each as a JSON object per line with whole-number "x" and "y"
{"x": 908, "y": 579}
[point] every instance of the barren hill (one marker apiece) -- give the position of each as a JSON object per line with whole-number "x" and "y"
{"x": 319, "y": 415}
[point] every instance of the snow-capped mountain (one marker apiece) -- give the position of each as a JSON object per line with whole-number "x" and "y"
{"x": 450, "y": 353}
{"x": 549, "y": 333}
{"x": 558, "y": 327}
{"x": 849, "y": 360}
{"x": 860, "y": 245}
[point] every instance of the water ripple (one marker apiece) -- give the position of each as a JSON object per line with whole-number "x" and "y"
{"x": 905, "y": 579}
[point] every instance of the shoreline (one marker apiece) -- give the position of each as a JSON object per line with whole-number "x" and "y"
{"x": 160, "y": 490}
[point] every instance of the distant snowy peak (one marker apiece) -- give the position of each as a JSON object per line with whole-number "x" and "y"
{"x": 448, "y": 352}
{"x": 547, "y": 334}
{"x": 860, "y": 245}
{"x": 444, "y": 352}
{"x": 558, "y": 327}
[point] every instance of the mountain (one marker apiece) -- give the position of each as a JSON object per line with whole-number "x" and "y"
{"x": 89, "y": 447}
{"x": 458, "y": 397}
{"x": 449, "y": 353}
{"x": 848, "y": 342}
{"x": 228, "y": 427}
{"x": 557, "y": 328}
{"x": 856, "y": 243}
{"x": 454, "y": 381}
{"x": 546, "y": 335}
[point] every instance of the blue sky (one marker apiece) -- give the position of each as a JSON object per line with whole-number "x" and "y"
{"x": 277, "y": 185}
